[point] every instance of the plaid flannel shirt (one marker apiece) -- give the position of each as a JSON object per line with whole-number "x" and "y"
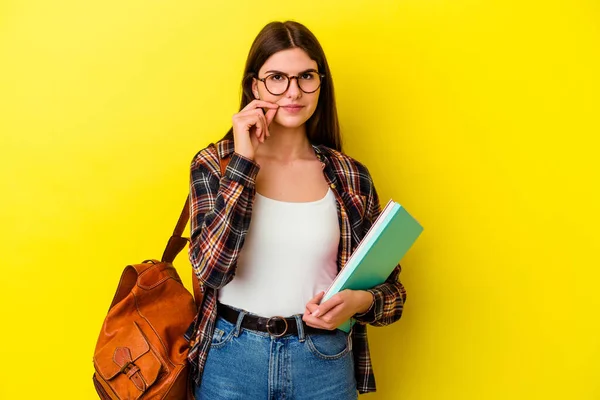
{"x": 220, "y": 212}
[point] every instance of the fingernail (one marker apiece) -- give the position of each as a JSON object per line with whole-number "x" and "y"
{"x": 315, "y": 313}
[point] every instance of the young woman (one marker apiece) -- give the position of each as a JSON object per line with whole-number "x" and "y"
{"x": 270, "y": 234}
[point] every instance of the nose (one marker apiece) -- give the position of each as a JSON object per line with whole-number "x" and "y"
{"x": 294, "y": 91}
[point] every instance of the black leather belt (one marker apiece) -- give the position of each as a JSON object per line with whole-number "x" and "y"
{"x": 275, "y": 326}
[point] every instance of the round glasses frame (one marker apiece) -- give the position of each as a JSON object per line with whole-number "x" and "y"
{"x": 289, "y": 78}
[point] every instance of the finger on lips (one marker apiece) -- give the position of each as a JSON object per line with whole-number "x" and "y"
{"x": 254, "y": 115}
{"x": 260, "y": 103}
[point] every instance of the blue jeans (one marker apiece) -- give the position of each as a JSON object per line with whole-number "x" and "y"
{"x": 252, "y": 365}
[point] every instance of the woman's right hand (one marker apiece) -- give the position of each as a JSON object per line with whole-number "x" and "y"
{"x": 251, "y": 126}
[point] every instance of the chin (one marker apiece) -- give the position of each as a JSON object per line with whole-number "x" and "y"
{"x": 290, "y": 122}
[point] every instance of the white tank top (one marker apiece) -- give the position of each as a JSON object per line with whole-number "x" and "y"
{"x": 289, "y": 255}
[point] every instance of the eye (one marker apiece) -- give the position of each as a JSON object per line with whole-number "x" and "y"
{"x": 307, "y": 76}
{"x": 276, "y": 77}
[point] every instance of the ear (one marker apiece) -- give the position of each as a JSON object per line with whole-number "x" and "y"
{"x": 255, "y": 88}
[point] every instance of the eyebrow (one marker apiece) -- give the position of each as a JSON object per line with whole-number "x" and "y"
{"x": 285, "y": 73}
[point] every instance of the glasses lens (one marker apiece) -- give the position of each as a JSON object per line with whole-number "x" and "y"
{"x": 309, "y": 82}
{"x": 276, "y": 83}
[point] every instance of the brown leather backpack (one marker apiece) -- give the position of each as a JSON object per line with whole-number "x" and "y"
{"x": 141, "y": 352}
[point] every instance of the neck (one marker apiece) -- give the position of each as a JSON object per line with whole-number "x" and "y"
{"x": 285, "y": 144}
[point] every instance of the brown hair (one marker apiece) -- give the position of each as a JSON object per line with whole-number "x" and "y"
{"x": 322, "y": 128}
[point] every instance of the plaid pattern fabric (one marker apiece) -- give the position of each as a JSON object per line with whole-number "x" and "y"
{"x": 220, "y": 212}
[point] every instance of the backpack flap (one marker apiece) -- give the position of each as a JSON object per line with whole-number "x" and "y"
{"x": 128, "y": 362}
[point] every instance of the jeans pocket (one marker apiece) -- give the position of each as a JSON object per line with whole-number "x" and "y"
{"x": 222, "y": 334}
{"x": 329, "y": 346}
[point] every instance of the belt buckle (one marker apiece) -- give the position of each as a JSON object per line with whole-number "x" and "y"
{"x": 284, "y": 331}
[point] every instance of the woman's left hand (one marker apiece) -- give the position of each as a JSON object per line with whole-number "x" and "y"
{"x": 337, "y": 310}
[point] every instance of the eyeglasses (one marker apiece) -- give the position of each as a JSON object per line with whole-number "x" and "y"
{"x": 278, "y": 83}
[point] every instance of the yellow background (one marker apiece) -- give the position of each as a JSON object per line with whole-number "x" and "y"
{"x": 481, "y": 117}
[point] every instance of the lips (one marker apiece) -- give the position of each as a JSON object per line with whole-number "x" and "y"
{"x": 292, "y": 108}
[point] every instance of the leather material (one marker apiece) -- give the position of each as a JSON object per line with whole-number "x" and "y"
{"x": 141, "y": 352}
{"x": 275, "y": 326}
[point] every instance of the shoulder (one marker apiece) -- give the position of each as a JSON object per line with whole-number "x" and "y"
{"x": 342, "y": 161}
{"x": 210, "y": 156}
{"x": 350, "y": 171}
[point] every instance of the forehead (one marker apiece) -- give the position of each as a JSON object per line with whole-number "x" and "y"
{"x": 290, "y": 61}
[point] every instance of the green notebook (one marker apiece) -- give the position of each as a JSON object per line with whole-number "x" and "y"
{"x": 374, "y": 259}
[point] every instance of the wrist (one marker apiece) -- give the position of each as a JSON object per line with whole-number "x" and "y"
{"x": 249, "y": 155}
{"x": 366, "y": 300}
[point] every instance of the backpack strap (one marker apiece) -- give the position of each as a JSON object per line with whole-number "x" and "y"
{"x": 176, "y": 242}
